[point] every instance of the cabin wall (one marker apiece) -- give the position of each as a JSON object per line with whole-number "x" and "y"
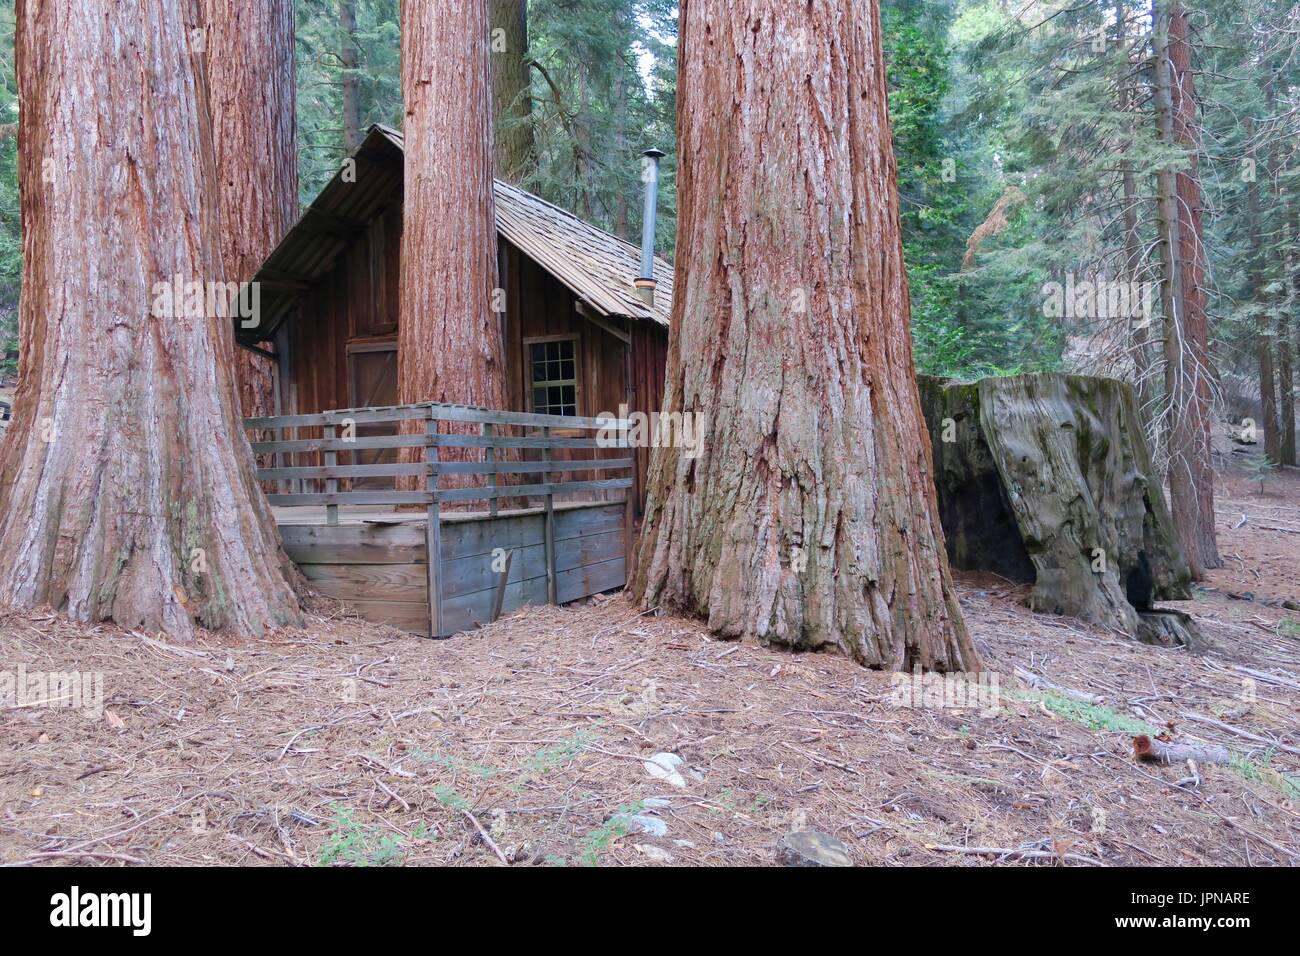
{"x": 649, "y": 363}
{"x": 354, "y": 306}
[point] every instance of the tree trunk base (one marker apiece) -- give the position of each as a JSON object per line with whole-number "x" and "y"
{"x": 1166, "y": 628}
{"x": 1046, "y": 480}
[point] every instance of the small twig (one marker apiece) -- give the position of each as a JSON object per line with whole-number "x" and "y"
{"x": 1039, "y": 682}
{"x": 395, "y": 771}
{"x": 1007, "y": 851}
{"x": 1227, "y": 728}
{"x": 491, "y": 844}
{"x": 822, "y": 760}
{"x": 1226, "y": 819}
{"x": 92, "y": 854}
{"x": 392, "y": 793}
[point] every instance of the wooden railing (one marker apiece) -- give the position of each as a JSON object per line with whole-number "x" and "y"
{"x": 337, "y": 436}
{"x": 521, "y": 456}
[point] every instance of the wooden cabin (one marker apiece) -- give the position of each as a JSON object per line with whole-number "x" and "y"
{"x": 579, "y": 339}
{"x": 581, "y": 345}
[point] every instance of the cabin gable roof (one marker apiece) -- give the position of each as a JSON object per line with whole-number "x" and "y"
{"x": 597, "y": 267}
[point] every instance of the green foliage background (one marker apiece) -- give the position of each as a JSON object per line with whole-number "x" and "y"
{"x": 984, "y": 97}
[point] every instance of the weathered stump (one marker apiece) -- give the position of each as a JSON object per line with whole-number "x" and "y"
{"x": 1046, "y": 480}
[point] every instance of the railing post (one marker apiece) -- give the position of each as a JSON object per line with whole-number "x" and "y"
{"x": 433, "y": 528}
{"x": 490, "y": 455}
{"x": 552, "y": 595}
{"x": 629, "y": 508}
{"x": 331, "y": 483}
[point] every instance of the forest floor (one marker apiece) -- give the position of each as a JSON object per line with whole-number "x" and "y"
{"x": 348, "y": 743}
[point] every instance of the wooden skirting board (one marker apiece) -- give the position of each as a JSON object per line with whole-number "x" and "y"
{"x": 377, "y": 562}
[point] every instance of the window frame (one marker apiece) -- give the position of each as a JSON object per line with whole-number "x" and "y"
{"x": 576, "y": 381}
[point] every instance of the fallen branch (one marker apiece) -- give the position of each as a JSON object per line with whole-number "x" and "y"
{"x": 816, "y": 758}
{"x": 1152, "y": 750}
{"x": 1042, "y": 683}
{"x": 1228, "y": 728}
{"x": 1026, "y": 854}
{"x": 483, "y": 834}
{"x": 83, "y": 854}
{"x": 1266, "y": 677}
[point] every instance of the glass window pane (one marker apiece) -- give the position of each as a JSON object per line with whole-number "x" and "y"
{"x": 539, "y": 399}
{"x": 539, "y": 352}
{"x": 567, "y": 370}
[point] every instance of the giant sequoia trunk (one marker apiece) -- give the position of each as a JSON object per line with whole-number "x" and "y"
{"x": 449, "y": 345}
{"x": 808, "y": 518}
{"x": 250, "y": 70}
{"x": 1182, "y": 251}
{"x": 512, "y": 104}
{"x": 126, "y": 483}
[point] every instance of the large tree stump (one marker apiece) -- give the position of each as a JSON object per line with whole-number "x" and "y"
{"x": 1046, "y": 480}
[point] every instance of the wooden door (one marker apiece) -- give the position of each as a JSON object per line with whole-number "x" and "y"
{"x": 372, "y": 374}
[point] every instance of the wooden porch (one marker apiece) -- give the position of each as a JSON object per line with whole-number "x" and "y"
{"x": 531, "y": 518}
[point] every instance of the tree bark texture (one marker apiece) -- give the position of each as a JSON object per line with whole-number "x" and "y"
{"x": 1187, "y": 133}
{"x": 126, "y": 482}
{"x": 1264, "y": 342}
{"x": 449, "y": 339}
{"x": 351, "y": 85}
{"x": 1046, "y": 480}
{"x": 808, "y": 518}
{"x": 1285, "y": 351}
{"x": 1187, "y": 384}
{"x": 250, "y": 70}
{"x": 512, "y": 103}
{"x": 449, "y": 347}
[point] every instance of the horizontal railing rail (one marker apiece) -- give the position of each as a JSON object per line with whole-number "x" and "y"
{"x": 502, "y": 440}
{"x": 469, "y": 454}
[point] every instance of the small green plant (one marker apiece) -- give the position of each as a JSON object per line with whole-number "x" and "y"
{"x": 1289, "y": 627}
{"x": 1260, "y": 771}
{"x": 355, "y": 844}
{"x": 1259, "y": 468}
{"x": 1092, "y": 716}
{"x": 598, "y": 840}
{"x": 453, "y": 764}
{"x": 547, "y": 759}
{"x": 449, "y": 798}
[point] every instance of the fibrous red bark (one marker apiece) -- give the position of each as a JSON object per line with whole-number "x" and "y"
{"x": 249, "y": 59}
{"x": 449, "y": 338}
{"x": 126, "y": 483}
{"x": 809, "y": 516}
{"x": 1187, "y": 368}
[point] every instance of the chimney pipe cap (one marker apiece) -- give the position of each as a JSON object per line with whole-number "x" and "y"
{"x": 654, "y": 153}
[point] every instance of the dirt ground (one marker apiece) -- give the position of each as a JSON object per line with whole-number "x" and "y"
{"x": 348, "y": 743}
